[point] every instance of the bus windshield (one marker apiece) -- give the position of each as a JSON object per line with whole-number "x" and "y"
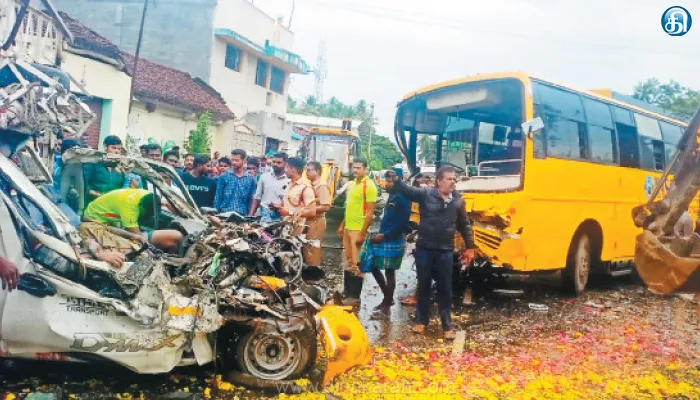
{"x": 474, "y": 127}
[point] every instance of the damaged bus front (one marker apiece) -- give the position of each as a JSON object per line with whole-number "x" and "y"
{"x": 475, "y": 127}
{"x": 550, "y": 174}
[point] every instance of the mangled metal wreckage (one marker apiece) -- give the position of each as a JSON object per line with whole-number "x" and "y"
{"x": 233, "y": 292}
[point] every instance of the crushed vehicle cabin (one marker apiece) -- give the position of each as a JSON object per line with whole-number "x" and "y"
{"x": 235, "y": 288}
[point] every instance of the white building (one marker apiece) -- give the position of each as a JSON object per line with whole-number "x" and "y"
{"x": 241, "y": 52}
{"x": 97, "y": 68}
{"x": 97, "y": 65}
{"x": 251, "y": 67}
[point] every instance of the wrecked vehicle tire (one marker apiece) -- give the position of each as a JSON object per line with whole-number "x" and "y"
{"x": 269, "y": 354}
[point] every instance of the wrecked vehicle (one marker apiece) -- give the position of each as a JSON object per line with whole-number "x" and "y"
{"x": 157, "y": 311}
{"x": 232, "y": 294}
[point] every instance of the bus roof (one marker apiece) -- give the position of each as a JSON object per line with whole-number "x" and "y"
{"x": 601, "y": 94}
{"x": 467, "y": 79}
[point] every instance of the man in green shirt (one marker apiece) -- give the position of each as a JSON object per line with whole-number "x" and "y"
{"x": 124, "y": 208}
{"x": 101, "y": 179}
{"x": 359, "y": 212}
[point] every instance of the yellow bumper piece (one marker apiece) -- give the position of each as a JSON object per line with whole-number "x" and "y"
{"x": 344, "y": 339}
{"x": 266, "y": 283}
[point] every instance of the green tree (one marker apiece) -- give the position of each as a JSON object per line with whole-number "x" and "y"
{"x": 131, "y": 144}
{"x": 671, "y": 96}
{"x": 427, "y": 149}
{"x": 384, "y": 153}
{"x": 291, "y": 105}
{"x": 199, "y": 139}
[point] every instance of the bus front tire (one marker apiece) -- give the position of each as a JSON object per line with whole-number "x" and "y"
{"x": 578, "y": 264}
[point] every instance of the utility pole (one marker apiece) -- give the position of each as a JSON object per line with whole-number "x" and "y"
{"x": 138, "y": 52}
{"x": 291, "y": 15}
{"x": 371, "y": 126}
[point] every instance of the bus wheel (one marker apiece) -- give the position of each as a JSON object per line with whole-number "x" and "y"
{"x": 578, "y": 264}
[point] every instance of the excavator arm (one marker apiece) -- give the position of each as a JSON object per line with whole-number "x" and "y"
{"x": 667, "y": 262}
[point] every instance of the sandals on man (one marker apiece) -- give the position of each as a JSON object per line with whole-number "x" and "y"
{"x": 409, "y": 301}
{"x": 418, "y": 329}
{"x": 449, "y": 335}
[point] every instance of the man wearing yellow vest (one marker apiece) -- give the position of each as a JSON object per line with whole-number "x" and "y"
{"x": 359, "y": 213}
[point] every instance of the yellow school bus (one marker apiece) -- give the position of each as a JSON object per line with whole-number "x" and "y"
{"x": 550, "y": 174}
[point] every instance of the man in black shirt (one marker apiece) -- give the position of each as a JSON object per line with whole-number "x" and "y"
{"x": 201, "y": 187}
{"x": 442, "y": 214}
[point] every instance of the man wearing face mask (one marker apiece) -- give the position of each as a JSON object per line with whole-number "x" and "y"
{"x": 442, "y": 213}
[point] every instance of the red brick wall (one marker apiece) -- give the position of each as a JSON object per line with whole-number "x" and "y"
{"x": 92, "y": 135}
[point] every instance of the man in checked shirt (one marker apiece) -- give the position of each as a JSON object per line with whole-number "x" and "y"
{"x": 235, "y": 189}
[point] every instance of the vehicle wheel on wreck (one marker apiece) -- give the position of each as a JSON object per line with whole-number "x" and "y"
{"x": 269, "y": 354}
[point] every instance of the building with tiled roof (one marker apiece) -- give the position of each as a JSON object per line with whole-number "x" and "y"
{"x": 100, "y": 76}
{"x": 166, "y": 102}
{"x": 233, "y": 46}
{"x": 158, "y": 84}
{"x": 91, "y": 44}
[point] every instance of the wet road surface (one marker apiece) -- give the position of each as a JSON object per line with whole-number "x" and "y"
{"x": 615, "y": 341}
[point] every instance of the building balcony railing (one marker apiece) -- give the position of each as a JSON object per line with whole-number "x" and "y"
{"x": 288, "y": 57}
{"x": 38, "y": 40}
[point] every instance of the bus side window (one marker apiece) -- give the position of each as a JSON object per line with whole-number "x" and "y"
{"x": 672, "y": 135}
{"x": 627, "y": 136}
{"x": 601, "y": 132}
{"x": 539, "y": 142}
{"x": 564, "y": 120}
{"x": 651, "y": 143}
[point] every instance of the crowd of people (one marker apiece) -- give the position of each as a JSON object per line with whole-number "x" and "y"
{"x": 278, "y": 187}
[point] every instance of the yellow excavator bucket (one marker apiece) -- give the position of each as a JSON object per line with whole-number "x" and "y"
{"x": 672, "y": 267}
{"x": 668, "y": 260}
{"x": 344, "y": 339}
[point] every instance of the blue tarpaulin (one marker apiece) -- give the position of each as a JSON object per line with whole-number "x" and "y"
{"x": 297, "y": 136}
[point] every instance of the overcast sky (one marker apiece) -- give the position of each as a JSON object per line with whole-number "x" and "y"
{"x": 380, "y": 50}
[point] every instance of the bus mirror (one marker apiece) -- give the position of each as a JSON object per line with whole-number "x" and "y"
{"x": 532, "y": 126}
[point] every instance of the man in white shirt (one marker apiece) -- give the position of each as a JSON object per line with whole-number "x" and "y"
{"x": 270, "y": 191}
